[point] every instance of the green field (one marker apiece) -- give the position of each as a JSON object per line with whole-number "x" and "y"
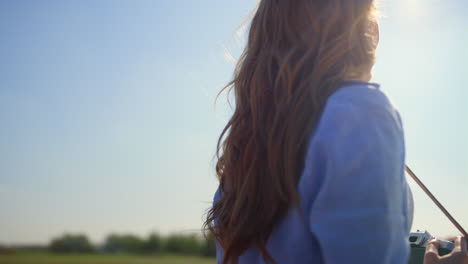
{"x": 45, "y": 258}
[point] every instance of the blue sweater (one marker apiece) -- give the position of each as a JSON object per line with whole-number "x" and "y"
{"x": 353, "y": 190}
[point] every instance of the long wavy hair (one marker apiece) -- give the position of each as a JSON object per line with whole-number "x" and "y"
{"x": 297, "y": 54}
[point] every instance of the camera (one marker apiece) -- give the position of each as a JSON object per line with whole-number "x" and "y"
{"x": 418, "y": 241}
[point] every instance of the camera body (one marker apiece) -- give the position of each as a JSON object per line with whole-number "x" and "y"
{"x": 418, "y": 241}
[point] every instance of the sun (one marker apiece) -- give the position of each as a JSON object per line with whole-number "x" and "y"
{"x": 414, "y": 9}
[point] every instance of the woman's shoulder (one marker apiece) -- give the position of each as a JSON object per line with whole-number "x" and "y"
{"x": 360, "y": 102}
{"x": 362, "y": 96}
{"x": 360, "y": 107}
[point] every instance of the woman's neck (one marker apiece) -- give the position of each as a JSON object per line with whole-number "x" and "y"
{"x": 361, "y": 78}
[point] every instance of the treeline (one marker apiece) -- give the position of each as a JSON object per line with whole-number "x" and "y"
{"x": 132, "y": 244}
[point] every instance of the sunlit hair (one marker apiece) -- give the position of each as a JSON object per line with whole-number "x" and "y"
{"x": 298, "y": 52}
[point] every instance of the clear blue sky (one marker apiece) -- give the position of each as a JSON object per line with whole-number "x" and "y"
{"x": 108, "y": 124}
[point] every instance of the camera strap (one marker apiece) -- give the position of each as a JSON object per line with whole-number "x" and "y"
{"x": 441, "y": 207}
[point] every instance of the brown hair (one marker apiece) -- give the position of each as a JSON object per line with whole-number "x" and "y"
{"x": 297, "y": 54}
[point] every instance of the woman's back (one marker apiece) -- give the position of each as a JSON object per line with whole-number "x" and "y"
{"x": 353, "y": 193}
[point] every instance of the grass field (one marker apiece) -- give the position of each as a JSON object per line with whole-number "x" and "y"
{"x": 45, "y": 258}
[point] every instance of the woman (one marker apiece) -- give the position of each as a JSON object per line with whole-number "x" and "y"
{"x": 311, "y": 168}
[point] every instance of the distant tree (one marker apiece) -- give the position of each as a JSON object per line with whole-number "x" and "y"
{"x": 191, "y": 244}
{"x": 32, "y": 248}
{"x": 209, "y": 246}
{"x": 69, "y": 243}
{"x": 183, "y": 244}
{"x": 153, "y": 244}
{"x": 6, "y": 250}
{"x": 113, "y": 244}
{"x": 123, "y": 243}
